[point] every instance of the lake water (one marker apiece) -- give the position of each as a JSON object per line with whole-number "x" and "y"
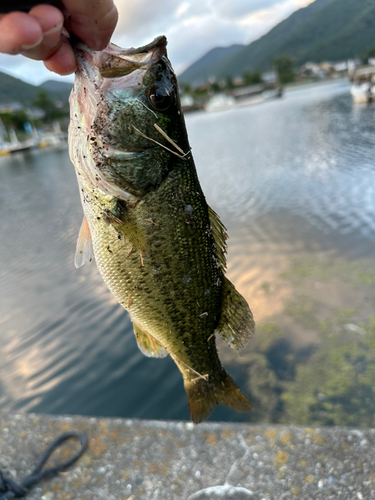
{"x": 294, "y": 182}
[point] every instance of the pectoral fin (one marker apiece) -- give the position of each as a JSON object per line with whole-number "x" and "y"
{"x": 122, "y": 218}
{"x": 236, "y": 325}
{"x": 84, "y": 250}
{"x": 147, "y": 344}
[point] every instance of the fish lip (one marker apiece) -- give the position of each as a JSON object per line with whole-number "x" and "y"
{"x": 158, "y": 42}
{"x": 114, "y": 61}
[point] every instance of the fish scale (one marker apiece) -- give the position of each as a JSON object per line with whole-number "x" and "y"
{"x": 158, "y": 246}
{"x": 123, "y": 274}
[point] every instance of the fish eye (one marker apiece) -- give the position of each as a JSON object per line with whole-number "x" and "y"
{"x": 159, "y": 97}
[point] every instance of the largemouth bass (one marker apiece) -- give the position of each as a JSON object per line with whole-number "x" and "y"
{"x": 158, "y": 245}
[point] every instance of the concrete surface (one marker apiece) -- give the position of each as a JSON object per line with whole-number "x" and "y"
{"x": 148, "y": 460}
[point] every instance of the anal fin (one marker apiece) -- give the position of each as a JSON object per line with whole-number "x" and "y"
{"x": 84, "y": 250}
{"x": 147, "y": 344}
{"x": 236, "y": 325}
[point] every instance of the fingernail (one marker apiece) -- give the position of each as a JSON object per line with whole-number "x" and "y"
{"x": 52, "y": 31}
{"x": 29, "y": 47}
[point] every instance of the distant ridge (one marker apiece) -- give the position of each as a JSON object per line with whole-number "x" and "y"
{"x": 12, "y": 89}
{"x": 15, "y": 90}
{"x": 57, "y": 87}
{"x": 194, "y": 72}
{"x": 331, "y": 30}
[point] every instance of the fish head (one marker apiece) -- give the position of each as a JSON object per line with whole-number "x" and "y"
{"x": 126, "y": 122}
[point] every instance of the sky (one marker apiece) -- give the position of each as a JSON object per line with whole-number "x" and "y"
{"x": 193, "y": 27}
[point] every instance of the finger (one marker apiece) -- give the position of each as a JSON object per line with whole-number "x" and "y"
{"x": 63, "y": 61}
{"x": 92, "y": 21}
{"x": 19, "y": 32}
{"x": 51, "y": 22}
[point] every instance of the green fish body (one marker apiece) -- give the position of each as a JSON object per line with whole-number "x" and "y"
{"x": 158, "y": 246}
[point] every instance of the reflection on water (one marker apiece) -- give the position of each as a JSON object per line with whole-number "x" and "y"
{"x": 309, "y": 154}
{"x": 293, "y": 181}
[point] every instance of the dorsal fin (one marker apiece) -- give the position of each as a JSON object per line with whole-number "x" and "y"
{"x": 84, "y": 250}
{"x": 147, "y": 344}
{"x": 220, "y": 237}
{"x": 236, "y": 325}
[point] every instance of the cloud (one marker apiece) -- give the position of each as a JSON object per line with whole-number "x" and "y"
{"x": 31, "y": 71}
{"x": 269, "y": 17}
{"x": 145, "y": 18}
{"x": 236, "y": 9}
{"x": 193, "y": 27}
{"x": 189, "y": 41}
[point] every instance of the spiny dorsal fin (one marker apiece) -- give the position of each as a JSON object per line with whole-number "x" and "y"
{"x": 84, "y": 250}
{"x": 236, "y": 325}
{"x": 220, "y": 237}
{"x": 147, "y": 344}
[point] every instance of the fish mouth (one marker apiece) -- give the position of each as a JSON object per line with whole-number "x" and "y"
{"x": 114, "y": 62}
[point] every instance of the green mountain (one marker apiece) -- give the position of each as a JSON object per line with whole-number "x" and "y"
{"x": 55, "y": 87}
{"x": 326, "y": 30}
{"x": 15, "y": 90}
{"x": 214, "y": 56}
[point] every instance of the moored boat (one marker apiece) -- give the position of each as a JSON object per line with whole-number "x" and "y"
{"x": 363, "y": 87}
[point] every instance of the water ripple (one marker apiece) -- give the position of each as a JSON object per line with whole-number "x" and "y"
{"x": 289, "y": 176}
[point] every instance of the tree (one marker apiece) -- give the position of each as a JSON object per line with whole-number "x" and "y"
{"x": 46, "y": 104}
{"x": 284, "y": 66}
{"x": 185, "y": 88}
{"x": 252, "y": 78}
{"x": 215, "y": 87}
{"x": 229, "y": 83}
{"x": 15, "y": 120}
{"x": 370, "y": 53}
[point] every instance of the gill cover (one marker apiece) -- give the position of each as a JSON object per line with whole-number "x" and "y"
{"x": 105, "y": 81}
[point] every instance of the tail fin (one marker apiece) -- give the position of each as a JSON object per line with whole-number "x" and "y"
{"x": 204, "y": 395}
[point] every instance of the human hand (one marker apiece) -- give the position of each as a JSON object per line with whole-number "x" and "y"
{"x": 38, "y": 34}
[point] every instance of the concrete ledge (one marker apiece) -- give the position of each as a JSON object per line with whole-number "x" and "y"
{"x": 147, "y": 460}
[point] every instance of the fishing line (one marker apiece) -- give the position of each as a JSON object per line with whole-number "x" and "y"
{"x": 158, "y": 143}
{"x": 11, "y": 489}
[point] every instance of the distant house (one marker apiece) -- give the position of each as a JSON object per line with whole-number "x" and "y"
{"x": 238, "y": 81}
{"x": 187, "y": 101}
{"x": 35, "y": 113}
{"x": 341, "y": 68}
{"x": 326, "y": 69}
{"x": 311, "y": 70}
{"x": 353, "y": 64}
{"x": 270, "y": 78}
{"x": 10, "y": 107}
